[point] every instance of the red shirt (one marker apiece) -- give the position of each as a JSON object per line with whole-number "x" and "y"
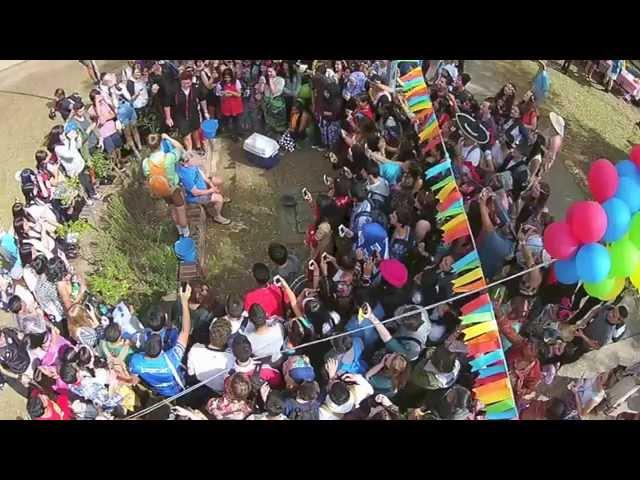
{"x": 63, "y": 412}
{"x": 523, "y": 378}
{"x": 271, "y": 298}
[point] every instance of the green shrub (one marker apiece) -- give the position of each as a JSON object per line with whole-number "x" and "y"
{"x": 101, "y": 164}
{"x": 80, "y": 226}
{"x": 133, "y": 251}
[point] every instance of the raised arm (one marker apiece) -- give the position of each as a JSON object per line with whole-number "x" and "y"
{"x": 183, "y": 337}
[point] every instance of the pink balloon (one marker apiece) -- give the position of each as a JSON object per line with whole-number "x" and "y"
{"x": 559, "y": 241}
{"x": 603, "y": 180}
{"x": 571, "y": 211}
{"x": 634, "y": 155}
{"x": 588, "y": 221}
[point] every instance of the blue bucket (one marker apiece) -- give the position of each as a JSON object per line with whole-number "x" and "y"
{"x": 209, "y": 128}
{"x": 185, "y": 249}
{"x": 167, "y": 146}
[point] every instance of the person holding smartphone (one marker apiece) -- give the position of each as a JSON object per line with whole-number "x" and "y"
{"x": 163, "y": 372}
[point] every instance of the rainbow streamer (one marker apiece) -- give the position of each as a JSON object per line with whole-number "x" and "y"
{"x": 466, "y": 260}
{"x": 477, "y": 318}
{"x": 430, "y": 130}
{"x": 492, "y": 370}
{"x": 506, "y": 415}
{"x": 481, "y": 336}
{"x": 460, "y": 231}
{"x": 459, "y": 219}
{"x": 486, "y": 359}
{"x": 456, "y": 210}
{"x": 477, "y": 349}
{"x": 479, "y": 329}
{"x": 472, "y": 287}
{"x": 420, "y": 90}
{"x": 485, "y": 337}
{"x": 443, "y": 183}
{"x": 453, "y": 201}
{"x": 439, "y": 168}
{"x": 502, "y": 406}
{"x": 412, "y": 75}
{"x": 468, "y": 278}
{"x": 476, "y": 303}
{"x": 444, "y": 193}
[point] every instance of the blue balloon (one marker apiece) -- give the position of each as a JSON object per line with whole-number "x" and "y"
{"x": 618, "y": 219}
{"x": 629, "y": 192}
{"x": 566, "y": 271}
{"x": 626, "y": 168}
{"x": 593, "y": 263}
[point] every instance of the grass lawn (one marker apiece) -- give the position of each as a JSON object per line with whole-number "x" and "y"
{"x": 598, "y": 124}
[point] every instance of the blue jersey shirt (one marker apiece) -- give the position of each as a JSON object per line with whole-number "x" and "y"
{"x": 160, "y": 372}
{"x": 191, "y": 177}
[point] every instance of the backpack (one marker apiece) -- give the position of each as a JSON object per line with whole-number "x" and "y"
{"x": 399, "y": 247}
{"x": 28, "y": 184}
{"x": 131, "y": 87}
{"x": 374, "y": 214}
{"x": 14, "y": 356}
{"x": 158, "y": 181}
{"x": 298, "y": 284}
{"x": 380, "y": 202}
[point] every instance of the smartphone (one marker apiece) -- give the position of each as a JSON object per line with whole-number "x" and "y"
{"x": 183, "y": 287}
{"x": 363, "y": 312}
{"x": 306, "y": 194}
{"x": 312, "y": 265}
{"x": 341, "y": 231}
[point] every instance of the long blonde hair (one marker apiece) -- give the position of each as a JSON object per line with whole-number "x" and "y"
{"x": 77, "y": 318}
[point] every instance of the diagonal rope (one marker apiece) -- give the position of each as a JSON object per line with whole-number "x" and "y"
{"x": 338, "y": 335}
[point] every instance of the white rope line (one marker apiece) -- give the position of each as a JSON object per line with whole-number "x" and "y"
{"x": 359, "y": 329}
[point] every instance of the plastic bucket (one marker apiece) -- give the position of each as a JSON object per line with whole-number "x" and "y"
{"x": 167, "y": 146}
{"x": 185, "y": 249}
{"x": 209, "y": 128}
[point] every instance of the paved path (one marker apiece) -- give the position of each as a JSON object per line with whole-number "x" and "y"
{"x": 485, "y": 82}
{"x": 26, "y": 88}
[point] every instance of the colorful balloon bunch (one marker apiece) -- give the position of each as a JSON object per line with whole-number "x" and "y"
{"x": 598, "y": 243}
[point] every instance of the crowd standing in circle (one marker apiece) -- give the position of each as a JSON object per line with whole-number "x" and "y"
{"x": 340, "y": 334}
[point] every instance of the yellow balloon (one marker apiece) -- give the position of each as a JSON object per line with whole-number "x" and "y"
{"x": 635, "y": 278}
{"x": 618, "y": 286}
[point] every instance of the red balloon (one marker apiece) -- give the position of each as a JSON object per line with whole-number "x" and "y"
{"x": 603, "y": 180}
{"x": 570, "y": 212}
{"x": 559, "y": 241}
{"x": 588, "y": 221}
{"x": 634, "y": 155}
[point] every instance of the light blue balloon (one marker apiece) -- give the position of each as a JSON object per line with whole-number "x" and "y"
{"x": 629, "y": 192}
{"x": 566, "y": 271}
{"x": 618, "y": 219}
{"x": 626, "y": 168}
{"x": 593, "y": 263}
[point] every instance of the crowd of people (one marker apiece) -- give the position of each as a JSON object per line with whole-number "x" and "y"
{"x": 342, "y": 333}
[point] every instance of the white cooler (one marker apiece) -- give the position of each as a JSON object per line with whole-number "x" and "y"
{"x": 262, "y": 151}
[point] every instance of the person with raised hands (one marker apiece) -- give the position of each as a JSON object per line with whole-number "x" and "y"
{"x": 163, "y": 371}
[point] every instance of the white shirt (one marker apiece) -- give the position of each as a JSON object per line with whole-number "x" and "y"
{"x": 204, "y": 362}
{"x": 359, "y": 391}
{"x": 70, "y": 157}
{"x": 140, "y": 89}
{"x": 42, "y": 213}
{"x": 471, "y": 154}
